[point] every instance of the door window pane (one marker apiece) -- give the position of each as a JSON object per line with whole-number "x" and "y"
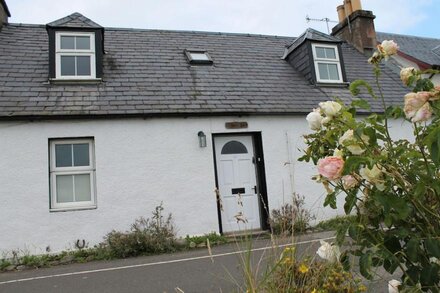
{"x": 63, "y": 155}
{"x": 67, "y": 42}
{"x": 83, "y": 43}
{"x": 83, "y": 65}
{"x": 234, "y": 147}
{"x": 67, "y": 65}
{"x": 64, "y": 188}
{"x": 82, "y": 187}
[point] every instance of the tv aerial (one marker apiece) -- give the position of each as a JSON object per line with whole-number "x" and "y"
{"x": 326, "y": 19}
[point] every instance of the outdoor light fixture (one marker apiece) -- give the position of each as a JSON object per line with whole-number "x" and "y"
{"x": 202, "y": 139}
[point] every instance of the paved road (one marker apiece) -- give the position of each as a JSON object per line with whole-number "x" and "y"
{"x": 192, "y": 271}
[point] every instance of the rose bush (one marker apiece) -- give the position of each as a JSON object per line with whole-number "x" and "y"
{"x": 391, "y": 185}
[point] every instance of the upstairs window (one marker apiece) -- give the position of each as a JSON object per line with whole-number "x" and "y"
{"x": 198, "y": 57}
{"x": 75, "y": 55}
{"x": 327, "y": 63}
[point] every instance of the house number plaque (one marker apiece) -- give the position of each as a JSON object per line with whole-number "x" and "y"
{"x": 236, "y": 125}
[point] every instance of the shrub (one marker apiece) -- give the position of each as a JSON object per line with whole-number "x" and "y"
{"x": 213, "y": 237}
{"x": 291, "y": 217}
{"x": 392, "y": 186}
{"x": 146, "y": 236}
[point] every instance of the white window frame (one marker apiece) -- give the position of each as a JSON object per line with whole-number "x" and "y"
{"x": 75, "y": 52}
{"x": 74, "y": 170}
{"x": 336, "y": 61}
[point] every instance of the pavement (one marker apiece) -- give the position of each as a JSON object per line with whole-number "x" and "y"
{"x": 189, "y": 271}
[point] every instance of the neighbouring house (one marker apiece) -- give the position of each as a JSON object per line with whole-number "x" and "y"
{"x": 100, "y": 125}
{"x": 418, "y": 52}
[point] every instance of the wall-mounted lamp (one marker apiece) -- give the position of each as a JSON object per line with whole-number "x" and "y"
{"x": 202, "y": 139}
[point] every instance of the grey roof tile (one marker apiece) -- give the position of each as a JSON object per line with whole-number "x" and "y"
{"x": 152, "y": 76}
{"x": 75, "y": 20}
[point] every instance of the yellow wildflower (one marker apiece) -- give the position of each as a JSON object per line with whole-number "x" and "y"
{"x": 303, "y": 269}
{"x": 314, "y": 291}
{"x": 287, "y": 261}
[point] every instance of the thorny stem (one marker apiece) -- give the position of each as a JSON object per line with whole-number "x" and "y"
{"x": 388, "y": 136}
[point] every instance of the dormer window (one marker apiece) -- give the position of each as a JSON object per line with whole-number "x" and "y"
{"x": 198, "y": 57}
{"x": 75, "y": 55}
{"x": 327, "y": 63}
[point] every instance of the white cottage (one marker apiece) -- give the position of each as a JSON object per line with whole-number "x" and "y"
{"x": 100, "y": 125}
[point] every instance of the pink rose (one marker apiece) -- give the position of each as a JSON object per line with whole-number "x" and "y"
{"x": 417, "y": 107}
{"x": 349, "y": 182}
{"x": 331, "y": 167}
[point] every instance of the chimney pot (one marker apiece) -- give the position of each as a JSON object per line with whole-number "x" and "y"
{"x": 347, "y": 6}
{"x": 341, "y": 12}
{"x": 356, "y": 5}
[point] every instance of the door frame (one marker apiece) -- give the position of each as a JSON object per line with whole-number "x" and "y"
{"x": 259, "y": 172}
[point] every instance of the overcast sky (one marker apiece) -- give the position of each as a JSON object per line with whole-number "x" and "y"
{"x": 276, "y": 17}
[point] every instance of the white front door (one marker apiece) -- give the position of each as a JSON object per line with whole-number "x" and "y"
{"x": 237, "y": 183}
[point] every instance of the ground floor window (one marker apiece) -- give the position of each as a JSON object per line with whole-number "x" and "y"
{"x": 72, "y": 174}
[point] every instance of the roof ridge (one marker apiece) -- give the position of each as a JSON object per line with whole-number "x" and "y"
{"x": 412, "y": 36}
{"x": 71, "y": 18}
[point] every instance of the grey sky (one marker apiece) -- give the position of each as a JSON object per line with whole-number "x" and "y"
{"x": 277, "y": 17}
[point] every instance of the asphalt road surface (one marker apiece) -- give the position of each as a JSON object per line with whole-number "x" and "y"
{"x": 191, "y": 271}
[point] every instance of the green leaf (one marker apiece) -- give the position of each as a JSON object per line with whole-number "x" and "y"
{"x": 350, "y": 201}
{"x": 429, "y": 275}
{"x": 361, "y": 103}
{"x": 365, "y": 262}
{"x": 432, "y": 246}
{"x": 432, "y": 141}
{"x": 412, "y": 249}
{"x": 353, "y": 163}
{"x": 390, "y": 265}
{"x": 330, "y": 200}
{"x": 392, "y": 243}
{"x": 355, "y": 88}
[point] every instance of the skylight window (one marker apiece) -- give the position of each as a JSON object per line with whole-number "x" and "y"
{"x": 198, "y": 57}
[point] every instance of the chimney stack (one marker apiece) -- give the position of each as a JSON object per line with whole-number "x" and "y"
{"x": 4, "y": 13}
{"x": 356, "y": 26}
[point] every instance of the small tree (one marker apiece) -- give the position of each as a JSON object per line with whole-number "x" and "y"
{"x": 392, "y": 186}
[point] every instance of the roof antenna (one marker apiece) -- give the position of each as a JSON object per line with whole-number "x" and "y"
{"x": 326, "y": 19}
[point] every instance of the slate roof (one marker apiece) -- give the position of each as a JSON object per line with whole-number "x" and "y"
{"x": 75, "y": 20}
{"x": 426, "y": 50}
{"x": 146, "y": 73}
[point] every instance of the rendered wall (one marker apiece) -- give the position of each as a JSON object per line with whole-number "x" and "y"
{"x": 139, "y": 163}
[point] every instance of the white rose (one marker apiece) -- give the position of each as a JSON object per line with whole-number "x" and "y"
{"x": 406, "y": 73}
{"x": 315, "y": 120}
{"x": 351, "y": 143}
{"x": 374, "y": 176}
{"x": 388, "y": 48}
{"x": 329, "y": 252}
{"x": 393, "y": 286}
{"x": 330, "y": 108}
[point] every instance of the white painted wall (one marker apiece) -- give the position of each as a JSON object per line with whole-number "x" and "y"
{"x": 139, "y": 163}
{"x": 403, "y": 62}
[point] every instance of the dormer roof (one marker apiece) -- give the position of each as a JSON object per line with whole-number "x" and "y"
{"x": 74, "y": 20}
{"x": 310, "y": 34}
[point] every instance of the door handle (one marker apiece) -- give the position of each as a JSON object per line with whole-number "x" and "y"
{"x": 255, "y": 189}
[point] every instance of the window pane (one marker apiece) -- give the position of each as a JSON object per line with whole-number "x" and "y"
{"x": 330, "y": 53}
{"x": 83, "y": 43}
{"x": 64, "y": 188}
{"x": 323, "y": 73}
{"x": 333, "y": 71}
{"x": 83, "y": 65}
{"x": 81, "y": 154}
{"x": 234, "y": 147}
{"x": 67, "y": 65}
{"x": 67, "y": 42}
{"x": 199, "y": 56}
{"x": 320, "y": 52}
{"x": 63, "y": 155}
{"x": 82, "y": 187}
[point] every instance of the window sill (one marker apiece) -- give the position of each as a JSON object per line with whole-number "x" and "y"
{"x": 333, "y": 84}
{"x": 75, "y": 81}
{"x": 71, "y": 209}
